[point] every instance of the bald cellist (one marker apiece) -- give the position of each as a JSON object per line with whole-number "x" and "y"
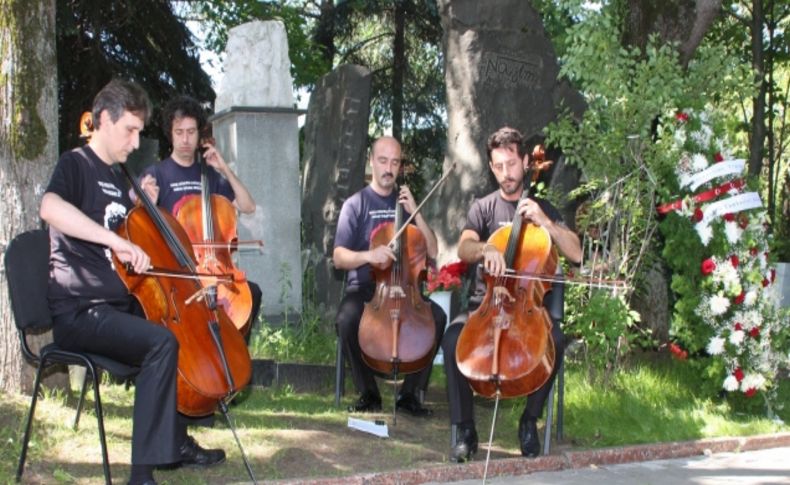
{"x": 360, "y": 215}
{"x": 508, "y": 163}
{"x": 85, "y": 201}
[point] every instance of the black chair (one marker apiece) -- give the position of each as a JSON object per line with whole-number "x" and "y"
{"x": 27, "y": 271}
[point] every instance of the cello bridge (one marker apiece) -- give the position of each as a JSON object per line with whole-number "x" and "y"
{"x": 395, "y": 291}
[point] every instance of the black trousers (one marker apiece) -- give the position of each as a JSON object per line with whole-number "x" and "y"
{"x": 459, "y": 394}
{"x": 349, "y": 314}
{"x": 119, "y": 332}
{"x": 256, "y": 293}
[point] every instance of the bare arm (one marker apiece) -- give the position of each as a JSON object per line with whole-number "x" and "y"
{"x": 567, "y": 241}
{"x": 71, "y": 221}
{"x": 242, "y": 198}
{"x": 472, "y": 250}
{"x": 347, "y": 259}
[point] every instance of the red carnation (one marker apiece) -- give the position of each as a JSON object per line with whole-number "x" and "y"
{"x": 738, "y": 326}
{"x": 708, "y": 266}
{"x": 698, "y": 215}
{"x": 729, "y": 217}
{"x": 718, "y": 157}
{"x": 734, "y": 260}
{"x": 738, "y": 373}
{"x": 754, "y": 332}
{"x": 739, "y": 299}
{"x": 766, "y": 282}
{"x": 750, "y": 392}
{"x": 681, "y": 117}
{"x": 677, "y": 352}
{"x": 743, "y": 220}
{"x": 773, "y": 275}
{"x": 753, "y": 251}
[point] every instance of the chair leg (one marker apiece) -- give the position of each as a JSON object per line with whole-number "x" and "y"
{"x": 100, "y": 421}
{"x": 560, "y": 400}
{"x": 81, "y": 401}
{"x": 26, "y": 439}
{"x": 549, "y": 419}
{"x": 340, "y": 373}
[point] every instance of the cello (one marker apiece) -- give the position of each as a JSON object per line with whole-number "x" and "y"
{"x": 397, "y": 333}
{"x": 210, "y": 222}
{"x": 213, "y": 361}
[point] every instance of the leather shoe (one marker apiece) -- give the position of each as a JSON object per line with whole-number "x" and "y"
{"x": 368, "y": 402}
{"x": 528, "y": 437}
{"x": 409, "y": 403}
{"x": 147, "y": 482}
{"x": 193, "y": 455}
{"x": 466, "y": 444}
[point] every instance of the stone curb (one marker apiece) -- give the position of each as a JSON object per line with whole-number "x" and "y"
{"x": 563, "y": 461}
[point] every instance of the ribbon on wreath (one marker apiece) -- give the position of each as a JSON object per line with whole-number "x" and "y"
{"x": 706, "y": 196}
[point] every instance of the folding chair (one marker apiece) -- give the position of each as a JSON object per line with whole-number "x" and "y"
{"x": 27, "y": 271}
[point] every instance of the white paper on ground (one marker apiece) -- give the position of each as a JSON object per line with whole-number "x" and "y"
{"x": 369, "y": 427}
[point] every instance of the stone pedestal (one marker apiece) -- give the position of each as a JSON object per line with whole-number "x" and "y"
{"x": 256, "y": 129}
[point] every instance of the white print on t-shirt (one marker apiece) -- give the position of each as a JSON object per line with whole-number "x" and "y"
{"x": 109, "y": 189}
{"x": 113, "y": 215}
{"x": 186, "y": 186}
{"x": 382, "y": 214}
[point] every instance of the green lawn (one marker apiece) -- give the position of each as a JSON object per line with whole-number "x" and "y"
{"x": 288, "y": 435}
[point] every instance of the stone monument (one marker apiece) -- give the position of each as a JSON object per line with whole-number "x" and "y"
{"x": 335, "y": 143}
{"x": 257, "y": 132}
{"x": 500, "y": 69}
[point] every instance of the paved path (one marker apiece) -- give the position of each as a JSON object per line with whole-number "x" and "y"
{"x": 761, "y": 467}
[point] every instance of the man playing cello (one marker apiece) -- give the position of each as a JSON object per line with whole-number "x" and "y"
{"x": 92, "y": 310}
{"x": 508, "y": 162}
{"x": 360, "y": 215}
{"x": 172, "y": 179}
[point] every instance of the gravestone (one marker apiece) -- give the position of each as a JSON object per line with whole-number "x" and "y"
{"x": 335, "y": 142}
{"x": 256, "y": 129}
{"x": 500, "y": 69}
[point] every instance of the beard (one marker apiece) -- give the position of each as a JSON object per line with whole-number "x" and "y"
{"x": 510, "y": 186}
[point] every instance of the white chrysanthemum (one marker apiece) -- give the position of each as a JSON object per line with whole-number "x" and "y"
{"x": 736, "y": 337}
{"x": 753, "y": 381}
{"x": 750, "y": 298}
{"x": 702, "y": 136}
{"x": 699, "y": 162}
{"x": 680, "y": 137}
{"x": 719, "y": 304}
{"x": 715, "y": 346}
{"x": 684, "y": 179}
{"x": 705, "y": 233}
{"x": 763, "y": 260}
{"x": 733, "y": 232}
{"x": 730, "y": 383}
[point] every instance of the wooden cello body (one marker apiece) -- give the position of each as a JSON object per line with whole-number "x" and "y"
{"x": 506, "y": 348}
{"x": 213, "y": 361}
{"x": 397, "y": 333}
{"x": 210, "y": 219}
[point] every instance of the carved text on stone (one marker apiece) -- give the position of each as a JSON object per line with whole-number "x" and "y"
{"x": 510, "y": 71}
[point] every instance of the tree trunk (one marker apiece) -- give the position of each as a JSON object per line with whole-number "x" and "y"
{"x": 683, "y": 21}
{"x": 758, "y": 130}
{"x": 325, "y": 32}
{"x": 28, "y": 147}
{"x": 398, "y": 66}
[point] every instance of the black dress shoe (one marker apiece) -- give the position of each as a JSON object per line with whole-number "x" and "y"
{"x": 528, "y": 437}
{"x": 466, "y": 444}
{"x": 368, "y": 402}
{"x": 147, "y": 482}
{"x": 193, "y": 455}
{"x": 409, "y": 403}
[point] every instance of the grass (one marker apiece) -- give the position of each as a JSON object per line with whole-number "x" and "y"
{"x": 289, "y": 435}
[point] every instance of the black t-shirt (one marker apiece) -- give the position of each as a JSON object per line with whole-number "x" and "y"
{"x": 82, "y": 271}
{"x": 360, "y": 215}
{"x": 486, "y": 216}
{"x": 176, "y": 182}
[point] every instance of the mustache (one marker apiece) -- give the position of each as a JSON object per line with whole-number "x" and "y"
{"x": 387, "y": 174}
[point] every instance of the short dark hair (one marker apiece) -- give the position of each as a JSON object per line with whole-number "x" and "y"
{"x": 182, "y": 107}
{"x": 118, "y": 96}
{"x": 503, "y": 137}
